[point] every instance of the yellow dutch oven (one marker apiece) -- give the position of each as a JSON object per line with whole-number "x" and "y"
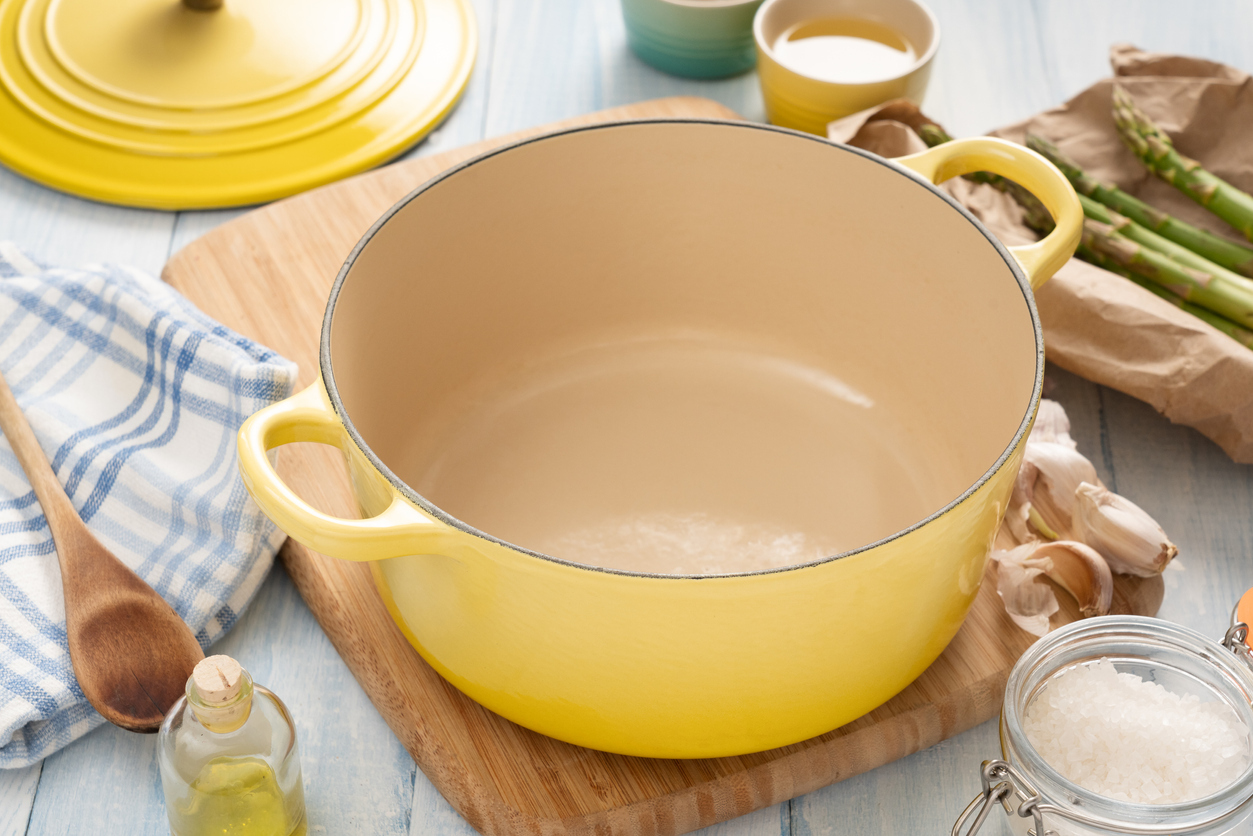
{"x": 678, "y": 346}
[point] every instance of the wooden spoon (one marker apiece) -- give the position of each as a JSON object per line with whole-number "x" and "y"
{"x": 131, "y": 652}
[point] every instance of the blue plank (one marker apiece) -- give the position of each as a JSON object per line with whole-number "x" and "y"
{"x": 1076, "y": 35}
{"x": 17, "y": 796}
{"x": 989, "y": 70}
{"x": 772, "y": 821}
{"x": 1202, "y": 499}
{"x": 59, "y": 229}
{"x": 554, "y": 59}
{"x": 108, "y": 779}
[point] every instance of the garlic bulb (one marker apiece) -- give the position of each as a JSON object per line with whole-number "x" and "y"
{"x": 1123, "y": 532}
{"x": 1063, "y": 524}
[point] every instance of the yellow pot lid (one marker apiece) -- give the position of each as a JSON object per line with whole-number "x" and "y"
{"x": 156, "y": 103}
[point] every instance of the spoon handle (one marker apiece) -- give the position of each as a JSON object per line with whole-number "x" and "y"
{"x": 57, "y": 507}
{"x": 131, "y": 652}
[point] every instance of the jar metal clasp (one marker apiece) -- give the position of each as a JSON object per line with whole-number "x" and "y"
{"x": 1000, "y": 781}
{"x": 1237, "y": 636}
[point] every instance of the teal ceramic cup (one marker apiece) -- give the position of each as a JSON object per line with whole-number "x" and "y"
{"x": 693, "y": 38}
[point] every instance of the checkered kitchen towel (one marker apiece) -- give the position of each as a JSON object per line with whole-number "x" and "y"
{"x": 136, "y": 397}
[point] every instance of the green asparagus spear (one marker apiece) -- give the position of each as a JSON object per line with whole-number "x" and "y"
{"x": 1195, "y": 286}
{"x": 1241, "y": 335}
{"x": 1221, "y": 323}
{"x": 1217, "y": 249}
{"x": 1153, "y": 241}
{"x": 1141, "y": 260}
{"x": 1034, "y": 214}
{"x": 1154, "y": 148}
{"x": 1086, "y": 253}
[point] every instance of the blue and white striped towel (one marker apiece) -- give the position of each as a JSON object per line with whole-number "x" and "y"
{"x": 136, "y": 397}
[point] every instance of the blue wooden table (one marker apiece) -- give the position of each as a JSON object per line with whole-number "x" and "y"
{"x": 542, "y": 60}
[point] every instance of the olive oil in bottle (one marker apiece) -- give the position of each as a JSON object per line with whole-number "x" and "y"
{"x": 229, "y": 764}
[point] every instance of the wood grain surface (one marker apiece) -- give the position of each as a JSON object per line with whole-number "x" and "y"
{"x": 267, "y": 275}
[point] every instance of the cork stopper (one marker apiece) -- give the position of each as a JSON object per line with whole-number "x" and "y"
{"x": 219, "y": 693}
{"x": 218, "y": 679}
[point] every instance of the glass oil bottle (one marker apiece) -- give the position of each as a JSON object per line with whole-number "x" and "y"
{"x": 228, "y": 758}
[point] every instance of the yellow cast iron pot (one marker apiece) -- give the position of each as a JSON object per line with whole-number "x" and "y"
{"x": 646, "y": 343}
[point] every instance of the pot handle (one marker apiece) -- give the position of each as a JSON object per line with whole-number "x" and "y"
{"x": 400, "y": 530}
{"x": 1027, "y": 168}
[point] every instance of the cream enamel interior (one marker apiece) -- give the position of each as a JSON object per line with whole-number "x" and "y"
{"x": 590, "y": 342}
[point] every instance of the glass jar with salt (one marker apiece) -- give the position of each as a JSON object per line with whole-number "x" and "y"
{"x": 1125, "y": 725}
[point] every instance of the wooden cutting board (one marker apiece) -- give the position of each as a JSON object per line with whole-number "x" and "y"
{"x": 267, "y": 275}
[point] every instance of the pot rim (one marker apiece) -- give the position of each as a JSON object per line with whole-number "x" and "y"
{"x": 328, "y": 374}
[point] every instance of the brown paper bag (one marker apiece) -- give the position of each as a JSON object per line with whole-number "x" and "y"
{"x": 1097, "y": 324}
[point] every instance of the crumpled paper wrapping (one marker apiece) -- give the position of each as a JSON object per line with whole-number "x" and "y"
{"x": 1097, "y": 324}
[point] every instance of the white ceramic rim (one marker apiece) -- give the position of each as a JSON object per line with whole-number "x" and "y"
{"x": 707, "y": 4}
{"x": 768, "y": 50}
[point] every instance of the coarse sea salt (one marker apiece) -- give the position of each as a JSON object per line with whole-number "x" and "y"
{"x": 1131, "y": 740}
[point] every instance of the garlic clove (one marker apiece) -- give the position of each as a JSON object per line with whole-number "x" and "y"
{"x": 1028, "y": 603}
{"x": 1059, "y": 470}
{"x": 1082, "y": 572}
{"x": 1015, "y": 524}
{"x": 1019, "y": 509}
{"x": 1052, "y": 425}
{"x": 1024, "y": 482}
{"x": 1126, "y": 536}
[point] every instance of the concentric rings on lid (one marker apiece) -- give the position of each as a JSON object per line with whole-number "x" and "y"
{"x": 153, "y": 103}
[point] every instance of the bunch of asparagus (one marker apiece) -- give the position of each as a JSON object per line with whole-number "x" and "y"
{"x": 1202, "y": 273}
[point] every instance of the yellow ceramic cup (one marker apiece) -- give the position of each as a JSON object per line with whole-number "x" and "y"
{"x": 842, "y": 275}
{"x": 806, "y": 103}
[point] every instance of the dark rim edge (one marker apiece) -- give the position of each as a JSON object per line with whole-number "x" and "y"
{"x": 328, "y": 376}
